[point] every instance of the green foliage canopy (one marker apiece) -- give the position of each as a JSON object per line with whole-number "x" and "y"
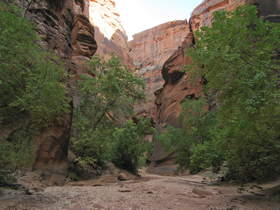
{"x": 106, "y": 96}
{"x": 108, "y": 91}
{"x": 238, "y": 57}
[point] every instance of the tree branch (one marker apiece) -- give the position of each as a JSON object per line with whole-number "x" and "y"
{"x": 103, "y": 113}
{"x": 28, "y": 7}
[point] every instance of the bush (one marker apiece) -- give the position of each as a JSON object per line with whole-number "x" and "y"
{"x": 130, "y": 148}
{"x": 204, "y": 156}
{"x": 94, "y": 148}
{"x": 5, "y": 178}
{"x": 195, "y": 131}
{"x": 16, "y": 153}
{"x": 250, "y": 161}
{"x": 177, "y": 140}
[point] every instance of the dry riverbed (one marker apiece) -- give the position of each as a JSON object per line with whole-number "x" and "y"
{"x": 151, "y": 192}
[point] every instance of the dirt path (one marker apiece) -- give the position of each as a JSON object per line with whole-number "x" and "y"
{"x": 149, "y": 193}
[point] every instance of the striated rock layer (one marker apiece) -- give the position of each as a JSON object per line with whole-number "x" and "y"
{"x": 150, "y": 49}
{"x": 109, "y": 32}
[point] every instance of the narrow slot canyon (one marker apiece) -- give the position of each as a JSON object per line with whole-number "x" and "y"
{"x": 95, "y": 114}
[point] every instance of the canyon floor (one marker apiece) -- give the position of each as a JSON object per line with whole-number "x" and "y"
{"x": 150, "y": 192}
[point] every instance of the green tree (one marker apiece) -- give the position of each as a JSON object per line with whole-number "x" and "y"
{"x": 30, "y": 77}
{"x": 110, "y": 93}
{"x": 238, "y": 58}
{"x": 31, "y": 88}
{"x": 106, "y": 96}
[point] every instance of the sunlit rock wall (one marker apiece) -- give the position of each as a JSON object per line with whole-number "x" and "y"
{"x": 109, "y": 33}
{"x": 149, "y": 50}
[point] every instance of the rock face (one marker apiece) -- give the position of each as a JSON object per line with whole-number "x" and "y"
{"x": 109, "y": 33}
{"x": 83, "y": 42}
{"x": 269, "y": 9}
{"x": 168, "y": 102}
{"x": 176, "y": 87}
{"x": 65, "y": 29}
{"x": 202, "y": 15}
{"x": 150, "y": 49}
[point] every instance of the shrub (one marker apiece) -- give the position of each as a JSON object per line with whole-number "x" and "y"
{"x": 177, "y": 140}
{"x": 94, "y": 148}
{"x": 16, "y": 153}
{"x": 130, "y": 147}
{"x": 195, "y": 131}
{"x": 204, "y": 156}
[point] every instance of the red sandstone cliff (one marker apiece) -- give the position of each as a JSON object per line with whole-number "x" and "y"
{"x": 109, "y": 32}
{"x": 176, "y": 87}
{"x": 202, "y": 14}
{"x": 73, "y": 30}
{"x": 150, "y": 49}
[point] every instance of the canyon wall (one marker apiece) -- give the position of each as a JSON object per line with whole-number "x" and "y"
{"x": 203, "y": 14}
{"x": 168, "y": 108}
{"x": 65, "y": 29}
{"x": 74, "y": 30}
{"x": 109, "y": 32}
{"x": 149, "y": 50}
{"x": 177, "y": 87}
